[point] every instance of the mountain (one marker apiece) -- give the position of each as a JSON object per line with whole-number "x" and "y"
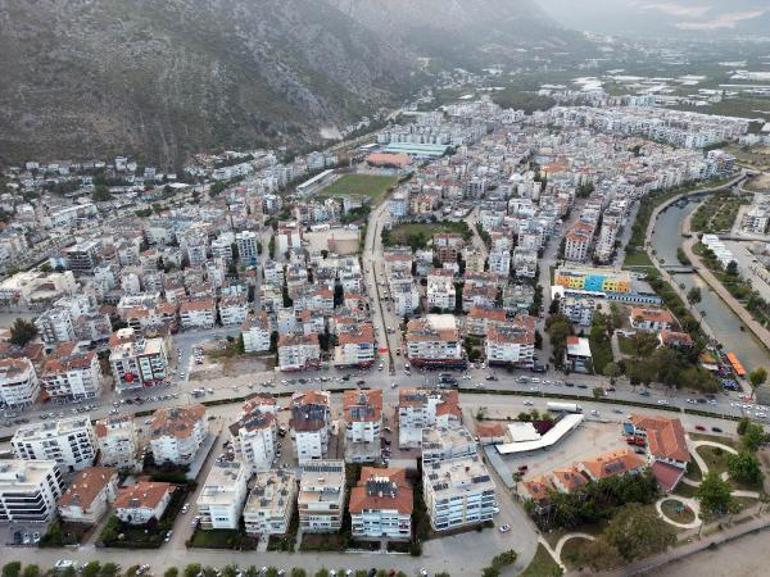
{"x": 162, "y": 79}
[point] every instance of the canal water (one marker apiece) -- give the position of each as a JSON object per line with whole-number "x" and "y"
{"x": 666, "y": 238}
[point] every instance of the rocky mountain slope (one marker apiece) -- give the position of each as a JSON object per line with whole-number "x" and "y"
{"x": 159, "y": 80}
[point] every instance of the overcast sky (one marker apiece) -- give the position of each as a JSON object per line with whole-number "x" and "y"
{"x": 645, "y": 16}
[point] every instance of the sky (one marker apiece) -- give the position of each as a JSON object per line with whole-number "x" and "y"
{"x": 647, "y": 16}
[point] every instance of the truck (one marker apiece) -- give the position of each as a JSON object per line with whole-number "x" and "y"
{"x": 565, "y": 408}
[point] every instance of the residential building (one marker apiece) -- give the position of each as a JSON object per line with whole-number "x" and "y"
{"x": 321, "y": 499}
{"x": 434, "y": 341}
{"x": 578, "y": 355}
{"x": 615, "y": 463}
{"x": 577, "y": 242}
{"x": 651, "y": 320}
{"x": 29, "y": 491}
{"x": 458, "y": 493}
{"x": 143, "y": 501}
{"x": 247, "y": 243}
{"x": 233, "y": 310}
{"x": 446, "y": 443}
{"x": 271, "y": 503}
{"x": 136, "y": 361}
{"x": 255, "y": 434}
{"x": 666, "y": 447}
{"x": 220, "y": 501}
{"x": 381, "y": 505}
{"x": 89, "y": 496}
{"x": 362, "y": 413}
{"x": 177, "y": 433}
{"x": 70, "y": 442}
{"x": 441, "y": 291}
{"x": 256, "y": 332}
{"x": 355, "y": 345}
{"x": 19, "y": 386}
{"x": 298, "y": 352}
{"x": 419, "y": 409}
{"x": 82, "y": 258}
{"x": 511, "y": 343}
{"x": 198, "y": 313}
{"x": 118, "y": 442}
{"x": 311, "y": 424}
{"x": 72, "y": 375}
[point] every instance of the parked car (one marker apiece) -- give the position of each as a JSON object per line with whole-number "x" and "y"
{"x": 504, "y": 528}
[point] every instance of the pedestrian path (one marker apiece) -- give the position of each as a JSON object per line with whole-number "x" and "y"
{"x": 692, "y": 504}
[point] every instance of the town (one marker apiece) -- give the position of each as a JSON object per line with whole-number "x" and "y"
{"x": 452, "y": 346}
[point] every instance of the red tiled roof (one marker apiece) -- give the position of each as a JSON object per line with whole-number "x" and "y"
{"x": 665, "y": 437}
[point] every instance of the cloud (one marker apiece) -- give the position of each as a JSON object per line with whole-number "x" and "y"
{"x": 676, "y": 9}
{"x": 722, "y": 21}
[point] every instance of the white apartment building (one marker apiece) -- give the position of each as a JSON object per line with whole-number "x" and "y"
{"x": 70, "y": 442}
{"x": 233, "y": 310}
{"x": 311, "y": 424}
{"x": 29, "y": 490}
{"x": 511, "y": 343}
{"x": 434, "y": 340}
{"x": 220, "y": 501}
{"x": 139, "y": 503}
{"x": 255, "y": 436}
{"x": 362, "y": 413}
{"x": 419, "y": 409}
{"x": 137, "y": 362}
{"x": 89, "y": 496}
{"x": 500, "y": 262}
{"x": 177, "y": 433}
{"x": 256, "y": 332}
{"x": 605, "y": 245}
{"x": 71, "y": 375}
{"x": 198, "y": 313}
{"x": 247, "y": 243}
{"x": 19, "y": 386}
{"x": 271, "y": 503}
{"x": 458, "y": 493}
{"x": 381, "y": 505}
{"x": 118, "y": 442}
{"x": 446, "y": 443}
{"x": 55, "y": 326}
{"x": 298, "y": 352}
{"x": 577, "y": 242}
{"x": 406, "y": 298}
{"x": 321, "y": 499}
{"x": 355, "y": 345}
{"x": 441, "y": 290}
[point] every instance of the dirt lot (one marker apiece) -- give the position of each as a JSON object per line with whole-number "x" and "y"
{"x": 760, "y": 183}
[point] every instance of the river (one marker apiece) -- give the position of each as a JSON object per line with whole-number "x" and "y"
{"x": 666, "y": 238}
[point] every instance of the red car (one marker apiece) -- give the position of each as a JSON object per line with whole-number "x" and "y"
{"x": 700, "y": 428}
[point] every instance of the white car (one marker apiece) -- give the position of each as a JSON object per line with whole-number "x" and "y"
{"x": 662, "y": 402}
{"x": 504, "y": 528}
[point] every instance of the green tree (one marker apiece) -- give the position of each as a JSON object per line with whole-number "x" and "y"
{"x": 91, "y": 569}
{"x": 732, "y": 268}
{"x": 111, "y": 570}
{"x": 31, "y": 571}
{"x": 745, "y": 468}
{"x": 322, "y": 573}
{"x": 611, "y": 371}
{"x": 298, "y": 572}
{"x": 171, "y": 572}
{"x": 714, "y": 494}
{"x": 637, "y": 532}
{"x": 22, "y": 332}
{"x": 599, "y": 555}
{"x": 753, "y": 437}
{"x": 12, "y": 569}
{"x": 757, "y": 378}
{"x": 230, "y": 570}
{"x": 192, "y": 570}
{"x": 694, "y": 295}
{"x": 101, "y": 193}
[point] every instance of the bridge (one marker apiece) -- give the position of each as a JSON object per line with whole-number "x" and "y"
{"x": 678, "y": 268}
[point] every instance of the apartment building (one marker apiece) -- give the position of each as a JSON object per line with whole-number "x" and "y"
{"x": 118, "y": 442}
{"x": 458, "y": 493}
{"x": 419, "y": 409}
{"x": 256, "y": 332}
{"x": 381, "y": 505}
{"x": 247, "y": 243}
{"x": 233, "y": 310}
{"x": 651, "y": 320}
{"x": 311, "y": 424}
{"x": 298, "y": 352}
{"x": 434, "y": 341}
{"x": 355, "y": 345}
{"x": 136, "y": 361}
{"x": 69, "y": 374}
{"x": 19, "y": 386}
{"x": 405, "y": 296}
{"x": 255, "y": 434}
{"x": 362, "y": 413}
{"x": 89, "y": 496}
{"x": 511, "y": 343}
{"x": 447, "y": 443}
{"x": 198, "y": 313}
{"x": 177, "y": 433}
{"x": 500, "y": 263}
{"x": 448, "y": 246}
{"x": 70, "y": 442}
{"x": 577, "y": 242}
{"x": 138, "y": 504}
{"x": 270, "y": 505}
{"x": 441, "y": 291}
{"x": 29, "y": 491}
{"x": 220, "y": 501}
{"x": 321, "y": 499}
{"x": 82, "y": 257}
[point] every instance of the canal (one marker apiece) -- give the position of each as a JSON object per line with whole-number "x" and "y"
{"x": 666, "y": 238}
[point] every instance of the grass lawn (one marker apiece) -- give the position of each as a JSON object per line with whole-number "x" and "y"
{"x": 570, "y": 550}
{"x": 222, "y": 539}
{"x": 637, "y": 259}
{"x": 693, "y": 471}
{"x": 684, "y": 490}
{"x": 715, "y": 458}
{"x": 677, "y": 511}
{"x": 542, "y": 565}
{"x": 728, "y": 441}
{"x": 371, "y": 186}
{"x": 417, "y": 234}
{"x": 626, "y": 346}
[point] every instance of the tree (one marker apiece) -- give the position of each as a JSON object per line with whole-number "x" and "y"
{"x": 599, "y": 555}
{"x": 757, "y": 378}
{"x": 31, "y": 571}
{"x": 192, "y": 570}
{"x": 112, "y": 569}
{"x": 91, "y": 569}
{"x": 714, "y": 494}
{"x": 745, "y": 468}
{"x": 101, "y": 193}
{"x": 611, "y": 371}
{"x": 171, "y": 572}
{"x": 598, "y": 392}
{"x": 753, "y": 437}
{"x": 732, "y": 268}
{"x": 637, "y": 532}
{"x": 12, "y": 569}
{"x": 694, "y": 295}
{"x": 22, "y": 332}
